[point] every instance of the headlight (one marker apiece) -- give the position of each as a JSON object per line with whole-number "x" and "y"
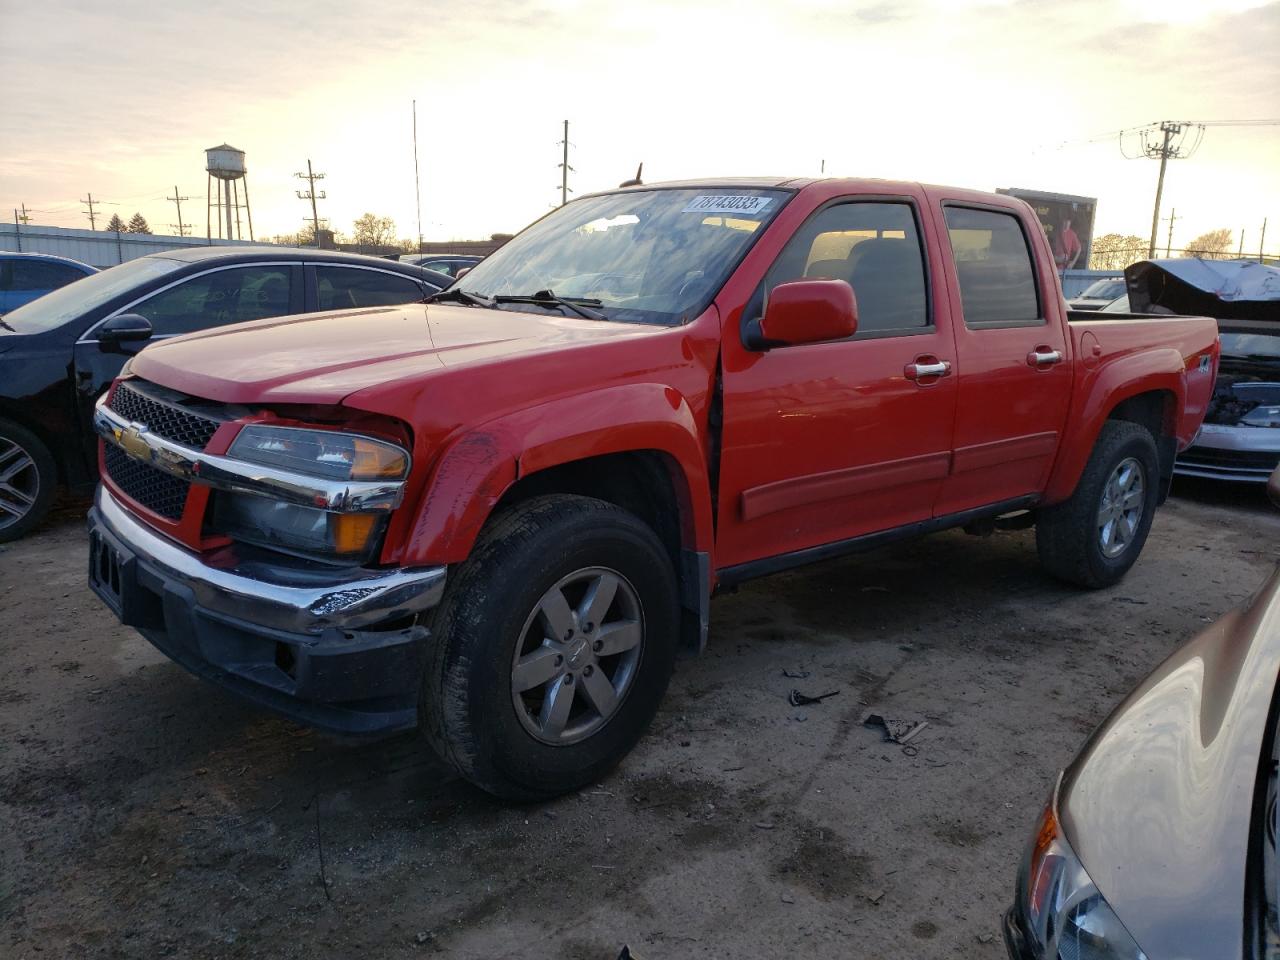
{"x": 1061, "y": 911}
{"x": 1261, "y": 416}
{"x": 320, "y": 453}
{"x": 306, "y": 531}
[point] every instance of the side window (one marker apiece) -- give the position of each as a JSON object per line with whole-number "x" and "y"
{"x": 340, "y": 288}
{"x": 875, "y": 246}
{"x": 40, "y": 275}
{"x": 218, "y": 298}
{"x": 993, "y": 264}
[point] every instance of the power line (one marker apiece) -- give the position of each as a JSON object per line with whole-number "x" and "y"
{"x": 310, "y": 194}
{"x": 93, "y": 222}
{"x": 177, "y": 200}
{"x": 565, "y": 169}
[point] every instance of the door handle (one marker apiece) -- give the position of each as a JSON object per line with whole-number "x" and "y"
{"x": 932, "y": 368}
{"x": 1043, "y": 357}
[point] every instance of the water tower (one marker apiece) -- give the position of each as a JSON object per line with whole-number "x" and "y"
{"x": 225, "y": 165}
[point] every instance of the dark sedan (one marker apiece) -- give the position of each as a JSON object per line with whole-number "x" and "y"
{"x": 59, "y": 353}
{"x": 1159, "y": 842}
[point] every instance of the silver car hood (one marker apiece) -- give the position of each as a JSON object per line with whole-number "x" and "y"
{"x": 1158, "y": 804}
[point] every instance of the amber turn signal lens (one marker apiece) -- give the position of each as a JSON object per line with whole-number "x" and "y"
{"x": 350, "y": 532}
{"x": 374, "y": 461}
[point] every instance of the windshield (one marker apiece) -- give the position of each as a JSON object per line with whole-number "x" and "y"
{"x": 644, "y": 256}
{"x": 1104, "y": 290}
{"x": 76, "y": 299}
{"x": 1258, "y": 346}
{"x": 1119, "y": 305}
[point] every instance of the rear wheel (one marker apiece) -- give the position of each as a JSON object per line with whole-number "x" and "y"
{"x": 28, "y": 480}
{"x": 1095, "y": 537}
{"x": 552, "y": 648}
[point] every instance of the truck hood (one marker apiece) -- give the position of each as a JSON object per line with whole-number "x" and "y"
{"x": 321, "y": 358}
{"x": 1158, "y": 805}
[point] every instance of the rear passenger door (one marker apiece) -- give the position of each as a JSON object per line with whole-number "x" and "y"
{"x": 1015, "y": 378}
{"x": 345, "y": 288}
{"x": 827, "y": 442}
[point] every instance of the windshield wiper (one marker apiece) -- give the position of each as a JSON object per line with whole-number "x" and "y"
{"x": 579, "y": 305}
{"x": 461, "y": 296}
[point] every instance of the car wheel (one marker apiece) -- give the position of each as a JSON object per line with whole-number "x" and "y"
{"x": 552, "y": 648}
{"x": 28, "y": 480}
{"x": 1095, "y": 537}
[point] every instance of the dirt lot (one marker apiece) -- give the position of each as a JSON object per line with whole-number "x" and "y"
{"x": 144, "y": 813}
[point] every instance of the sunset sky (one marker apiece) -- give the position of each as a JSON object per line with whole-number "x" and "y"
{"x": 122, "y": 98}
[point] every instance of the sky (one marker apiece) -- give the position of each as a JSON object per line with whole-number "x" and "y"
{"x": 121, "y": 99}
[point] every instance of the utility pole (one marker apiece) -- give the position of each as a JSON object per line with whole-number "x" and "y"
{"x": 182, "y": 227}
{"x": 1164, "y": 151}
{"x": 17, "y": 229}
{"x": 24, "y": 218}
{"x": 1262, "y": 241}
{"x": 565, "y": 169}
{"x": 417, "y": 182}
{"x": 93, "y": 220}
{"x": 310, "y": 194}
{"x": 1240, "y": 252}
{"x": 1168, "y": 242}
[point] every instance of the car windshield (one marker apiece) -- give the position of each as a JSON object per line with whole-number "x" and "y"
{"x": 642, "y": 256}
{"x": 1119, "y": 305}
{"x": 1257, "y": 346}
{"x": 74, "y": 300}
{"x": 1104, "y": 290}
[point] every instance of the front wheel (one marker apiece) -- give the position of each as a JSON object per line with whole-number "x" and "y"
{"x": 1094, "y": 538}
{"x": 28, "y": 480}
{"x": 552, "y": 648}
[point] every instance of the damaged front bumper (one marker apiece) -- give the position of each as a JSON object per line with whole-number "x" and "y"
{"x": 1225, "y": 452}
{"x": 338, "y": 649}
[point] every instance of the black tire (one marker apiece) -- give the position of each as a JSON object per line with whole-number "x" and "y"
{"x": 32, "y": 489}
{"x": 467, "y": 704}
{"x": 1068, "y": 535}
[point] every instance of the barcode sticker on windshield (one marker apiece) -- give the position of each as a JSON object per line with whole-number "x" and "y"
{"x": 720, "y": 203}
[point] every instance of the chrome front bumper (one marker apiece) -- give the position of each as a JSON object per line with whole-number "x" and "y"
{"x": 1231, "y": 453}
{"x": 301, "y": 601}
{"x": 337, "y": 649}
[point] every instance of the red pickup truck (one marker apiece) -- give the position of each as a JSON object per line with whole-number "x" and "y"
{"x": 499, "y": 515}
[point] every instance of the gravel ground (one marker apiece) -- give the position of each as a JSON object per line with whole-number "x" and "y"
{"x": 144, "y": 813}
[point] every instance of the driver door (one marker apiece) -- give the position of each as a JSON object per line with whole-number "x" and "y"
{"x": 828, "y": 442}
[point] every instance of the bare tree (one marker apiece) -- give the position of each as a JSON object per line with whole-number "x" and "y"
{"x": 372, "y": 231}
{"x": 1214, "y": 245}
{"x": 1115, "y": 251}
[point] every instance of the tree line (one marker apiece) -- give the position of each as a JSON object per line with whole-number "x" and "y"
{"x": 1115, "y": 251}
{"x": 137, "y": 224}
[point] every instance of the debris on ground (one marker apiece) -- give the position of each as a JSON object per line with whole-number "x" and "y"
{"x": 798, "y": 699}
{"x": 795, "y": 674}
{"x": 901, "y": 732}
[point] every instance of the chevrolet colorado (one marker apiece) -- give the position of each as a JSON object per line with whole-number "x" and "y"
{"x": 498, "y": 516}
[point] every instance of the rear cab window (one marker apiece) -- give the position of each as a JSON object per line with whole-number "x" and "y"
{"x": 994, "y": 268}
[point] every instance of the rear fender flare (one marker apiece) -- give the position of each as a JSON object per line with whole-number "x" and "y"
{"x": 480, "y": 465}
{"x": 1110, "y": 385}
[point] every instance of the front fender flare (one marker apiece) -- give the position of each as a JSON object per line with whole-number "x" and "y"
{"x": 481, "y": 464}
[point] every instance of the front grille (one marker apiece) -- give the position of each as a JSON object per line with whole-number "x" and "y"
{"x": 163, "y": 416}
{"x": 156, "y": 490}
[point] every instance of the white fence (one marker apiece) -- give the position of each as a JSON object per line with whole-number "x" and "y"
{"x": 101, "y": 248}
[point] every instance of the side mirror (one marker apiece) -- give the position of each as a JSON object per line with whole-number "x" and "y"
{"x": 805, "y": 311}
{"x": 1273, "y": 487}
{"x": 126, "y": 328}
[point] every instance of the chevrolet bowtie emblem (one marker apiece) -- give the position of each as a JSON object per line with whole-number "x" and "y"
{"x": 130, "y": 439}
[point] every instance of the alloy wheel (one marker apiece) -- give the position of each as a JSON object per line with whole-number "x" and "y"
{"x": 577, "y": 656}
{"x": 19, "y": 482}
{"x": 1123, "y": 501}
